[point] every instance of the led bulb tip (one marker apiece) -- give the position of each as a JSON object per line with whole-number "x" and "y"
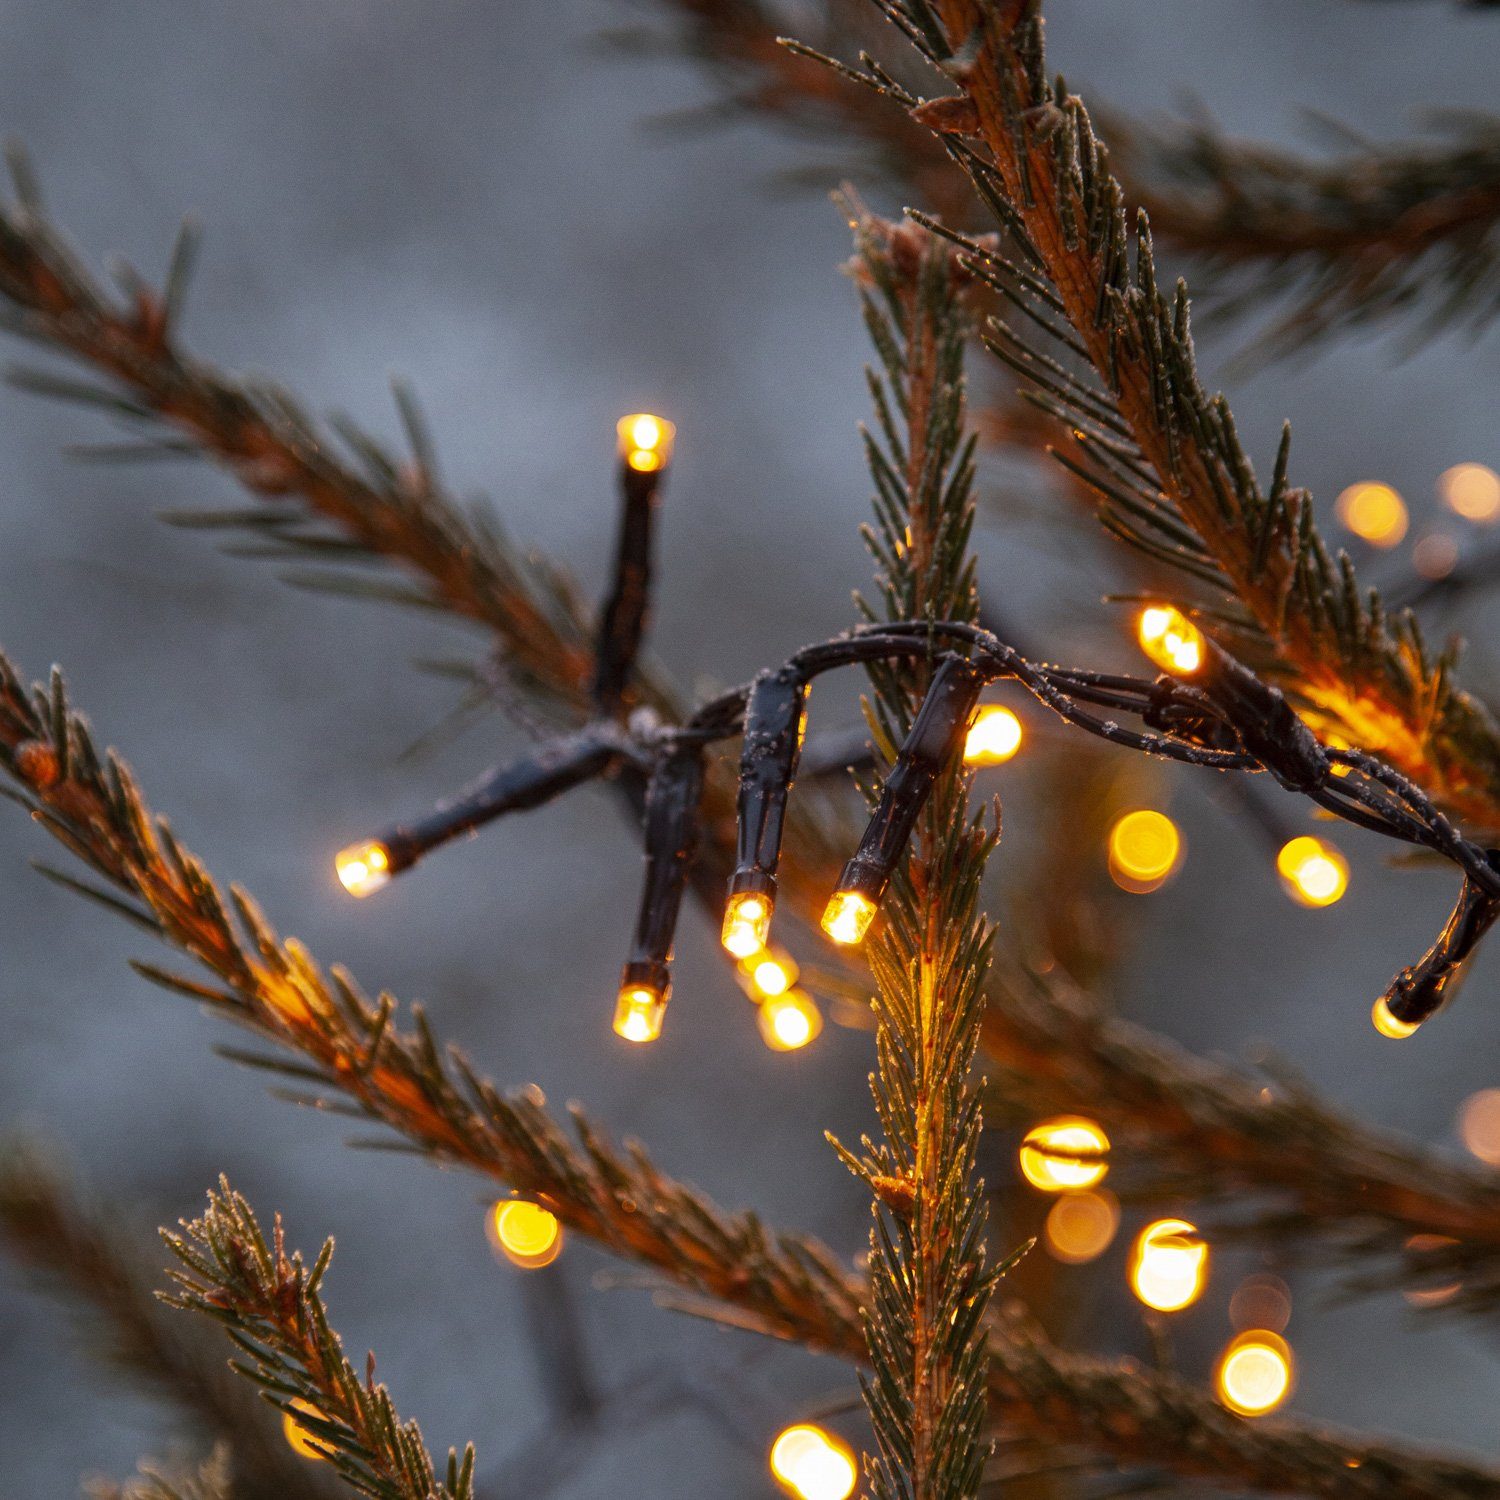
{"x": 847, "y": 917}
{"x": 638, "y": 1013}
{"x": 747, "y": 923}
{"x": 645, "y": 441}
{"x": 363, "y": 868}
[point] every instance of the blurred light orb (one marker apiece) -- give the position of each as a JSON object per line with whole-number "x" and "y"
{"x": 1471, "y": 491}
{"x": 1313, "y": 871}
{"x": 1170, "y": 639}
{"x": 527, "y": 1234}
{"x": 1418, "y": 1246}
{"x": 1435, "y": 556}
{"x": 789, "y": 1021}
{"x": 1064, "y": 1155}
{"x": 1261, "y": 1302}
{"x": 994, "y": 736}
{"x": 1255, "y": 1373}
{"x": 1375, "y": 513}
{"x": 1145, "y": 849}
{"x": 1479, "y": 1125}
{"x": 813, "y": 1464}
{"x": 1169, "y": 1265}
{"x": 298, "y": 1438}
{"x": 1081, "y": 1226}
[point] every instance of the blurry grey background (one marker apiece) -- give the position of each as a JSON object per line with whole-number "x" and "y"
{"x": 464, "y": 192}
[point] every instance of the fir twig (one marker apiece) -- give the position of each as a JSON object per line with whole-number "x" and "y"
{"x": 270, "y": 1306}
{"x": 929, "y": 1286}
{"x": 81, "y": 1251}
{"x": 1163, "y": 455}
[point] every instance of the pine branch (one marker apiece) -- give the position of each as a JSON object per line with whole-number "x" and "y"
{"x": 1164, "y": 456}
{"x": 77, "y": 1248}
{"x": 1351, "y": 239}
{"x": 928, "y": 1283}
{"x": 210, "y": 1480}
{"x": 779, "y": 1284}
{"x": 270, "y": 1306}
{"x": 1276, "y": 1160}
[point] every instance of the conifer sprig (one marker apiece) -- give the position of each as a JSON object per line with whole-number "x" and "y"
{"x": 1109, "y": 353}
{"x": 270, "y": 1306}
{"x": 929, "y": 1285}
{"x": 79, "y": 1251}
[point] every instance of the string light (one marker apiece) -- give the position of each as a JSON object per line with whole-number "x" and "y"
{"x": 930, "y": 745}
{"x": 1387, "y": 1024}
{"x": 527, "y": 1234}
{"x": 813, "y": 1464}
{"x": 775, "y": 725}
{"x": 1080, "y": 1227}
{"x": 301, "y": 1440}
{"x": 993, "y": 737}
{"x": 363, "y": 868}
{"x": 1064, "y": 1154}
{"x": 1471, "y": 491}
{"x": 671, "y": 836}
{"x": 1170, "y": 639}
{"x": 1313, "y": 871}
{"x": 1169, "y": 1265}
{"x": 766, "y": 973}
{"x": 1421, "y": 990}
{"x": 550, "y": 770}
{"x": 1145, "y": 849}
{"x": 639, "y": 1011}
{"x": 747, "y": 923}
{"x": 1261, "y": 1302}
{"x": 1375, "y": 513}
{"x": 1479, "y": 1125}
{"x": 847, "y": 917}
{"x": 789, "y": 1021}
{"x": 645, "y": 442}
{"x": 1255, "y": 1373}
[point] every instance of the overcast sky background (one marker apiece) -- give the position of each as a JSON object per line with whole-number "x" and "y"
{"x": 466, "y": 193}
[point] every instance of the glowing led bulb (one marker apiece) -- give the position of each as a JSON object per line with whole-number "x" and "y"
{"x": 1145, "y": 850}
{"x": 527, "y": 1234}
{"x": 1064, "y": 1155}
{"x": 1170, "y": 639}
{"x": 1080, "y": 1226}
{"x": 645, "y": 441}
{"x": 994, "y": 736}
{"x": 1471, "y": 491}
{"x": 847, "y": 917}
{"x": 1169, "y": 1265}
{"x": 1388, "y": 1025}
{"x": 747, "y": 923}
{"x": 300, "y": 1439}
{"x": 1313, "y": 871}
{"x": 767, "y": 972}
{"x": 789, "y": 1021}
{"x": 1254, "y": 1374}
{"x": 813, "y": 1464}
{"x": 1375, "y": 513}
{"x": 364, "y": 868}
{"x": 638, "y": 1013}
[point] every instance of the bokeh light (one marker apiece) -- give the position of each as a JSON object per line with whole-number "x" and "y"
{"x": 1313, "y": 872}
{"x": 525, "y": 1233}
{"x": 994, "y": 736}
{"x": 1375, "y": 513}
{"x": 1169, "y": 1265}
{"x": 1064, "y": 1154}
{"x": 1145, "y": 849}
{"x": 1479, "y": 1125}
{"x": 813, "y": 1464}
{"x": 1471, "y": 491}
{"x": 1255, "y": 1373}
{"x": 1080, "y": 1227}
